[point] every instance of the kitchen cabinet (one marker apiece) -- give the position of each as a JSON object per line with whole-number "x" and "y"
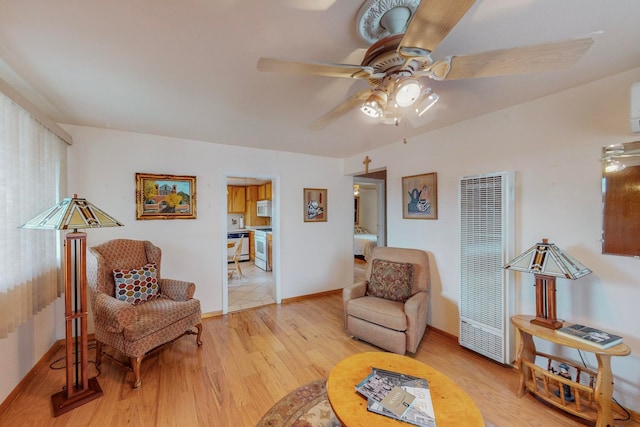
{"x": 251, "y": 217}
{"x": 236, "y": 199}
{"x": 252, "y": 245}
{"x": 264, "y": 191}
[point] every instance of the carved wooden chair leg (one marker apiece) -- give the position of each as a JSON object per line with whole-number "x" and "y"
{"x": 135, "y": 364}
{"x": 98, "y": 353}
{"x": 199, "y": 336}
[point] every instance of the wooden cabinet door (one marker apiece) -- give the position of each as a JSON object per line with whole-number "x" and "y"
{"x": 250, "y": 212}
{"x": 262, "y": 192}
{"x": 267, "y": 191}
{"x": 236, "y": 199}
{"x": 239, "y": 199}
{"x": 252, "y": 245}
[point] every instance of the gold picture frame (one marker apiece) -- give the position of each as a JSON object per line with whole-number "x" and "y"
{"x": 314, "y": 204}
{"x": 165, "y": 196}
{"x": 420, "y": 196}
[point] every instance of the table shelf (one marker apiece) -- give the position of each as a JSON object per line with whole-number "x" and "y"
{"x": 593, "y": 401}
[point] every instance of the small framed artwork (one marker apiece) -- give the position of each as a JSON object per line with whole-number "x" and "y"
{"x": 420, "y": 196}
{"x": 356, "y": 210}
{"x": 315, "y": 204}
{"x": 165, "y": 196}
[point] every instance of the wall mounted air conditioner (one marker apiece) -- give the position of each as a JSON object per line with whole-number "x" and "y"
{"x": 635, "y": 107}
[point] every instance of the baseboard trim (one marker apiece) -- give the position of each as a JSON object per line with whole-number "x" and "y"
{"x": 443, "y": 333}
{"x": 318, "y": 294}
{"x": 211, "y": 314}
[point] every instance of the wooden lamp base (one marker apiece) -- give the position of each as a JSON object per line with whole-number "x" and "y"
{"x": 547, "y": 323}
{"x": 546, "y": 302}
{"x": 62, "y": 403}
{"x": 79, "y": 388}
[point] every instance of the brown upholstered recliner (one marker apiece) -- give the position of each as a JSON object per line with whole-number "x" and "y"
{"x": 393, "y": 325}
{"x": 136, "y": 330}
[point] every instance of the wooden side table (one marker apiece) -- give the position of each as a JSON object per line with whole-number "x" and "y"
{"x": 592, "y": 402}
{"x": 451, "y": 405}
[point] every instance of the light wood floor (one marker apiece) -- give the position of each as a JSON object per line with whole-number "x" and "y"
{"x": 251, "y": 359}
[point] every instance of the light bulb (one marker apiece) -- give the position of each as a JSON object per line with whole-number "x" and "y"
{"x": 407, "y": 92}
{"x": 613, "y": 166}
{"x": 374, "y": 105}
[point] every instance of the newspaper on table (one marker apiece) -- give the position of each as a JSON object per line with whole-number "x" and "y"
{"x": 380, "y": 382}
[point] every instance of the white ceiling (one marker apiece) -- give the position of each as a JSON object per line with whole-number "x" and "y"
{"x": 187, "y": 68}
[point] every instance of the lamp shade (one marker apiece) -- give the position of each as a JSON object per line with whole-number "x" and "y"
{"x": 547, "y": 259}
{"x": 72, "y": 213}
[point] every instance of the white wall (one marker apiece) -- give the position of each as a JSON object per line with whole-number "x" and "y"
{"x": 369, "y": 209}
{"x": 554, "y": 146}
{"x": 24, "y": 347}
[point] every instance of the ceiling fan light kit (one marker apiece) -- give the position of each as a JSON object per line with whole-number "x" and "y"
{"x": 429, "y": 100}
{"x": 403, "y": 34}
{"x": 375, "y": 105}
{"x": 407, "y": 92}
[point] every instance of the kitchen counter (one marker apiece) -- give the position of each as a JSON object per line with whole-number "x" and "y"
{"x": 240, "y": 230}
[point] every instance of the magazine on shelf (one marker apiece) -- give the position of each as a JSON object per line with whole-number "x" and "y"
{"x": 379, "y": 383}
{"x": 588, "y": 335}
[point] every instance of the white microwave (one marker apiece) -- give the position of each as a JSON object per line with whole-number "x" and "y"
{"x": 264, "y": 208}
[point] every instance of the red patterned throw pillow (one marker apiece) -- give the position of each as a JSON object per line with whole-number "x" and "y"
{"x": 137, "y": 285}
{"x": 390, "y": 280}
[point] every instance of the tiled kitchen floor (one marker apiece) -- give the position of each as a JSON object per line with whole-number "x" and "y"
{"x": 255, "y": 288}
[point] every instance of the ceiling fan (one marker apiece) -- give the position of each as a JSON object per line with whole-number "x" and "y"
{"x": 404, "y": 33}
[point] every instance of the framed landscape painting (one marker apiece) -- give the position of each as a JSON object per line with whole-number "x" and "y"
{"x": 315, "y": 204}
{"x": 165, "y": 196}
{"x": 420, "y": 196}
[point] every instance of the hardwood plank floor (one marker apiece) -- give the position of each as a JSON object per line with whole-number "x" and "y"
{"x": 251, "y": 359}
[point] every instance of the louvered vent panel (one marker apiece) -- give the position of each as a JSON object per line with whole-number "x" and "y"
{"x": 486, "y": 211}
{"x": 486, "y": 343}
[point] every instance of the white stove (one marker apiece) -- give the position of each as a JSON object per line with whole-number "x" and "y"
{"x": 262, "y": 249}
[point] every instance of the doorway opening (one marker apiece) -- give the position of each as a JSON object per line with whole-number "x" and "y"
{"x": 254, "y": 283}
{"x": 370, "y": 219}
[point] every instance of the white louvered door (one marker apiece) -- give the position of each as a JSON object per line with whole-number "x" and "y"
{"x": 486, "y": 208}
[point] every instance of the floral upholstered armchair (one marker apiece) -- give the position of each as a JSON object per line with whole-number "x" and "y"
{"x": 389, "y": 309}
{"x": 135, "y": 309}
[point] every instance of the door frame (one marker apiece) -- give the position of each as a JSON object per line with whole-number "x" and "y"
{"x": 275, "y": 225}
{"x": 381, "y": 230}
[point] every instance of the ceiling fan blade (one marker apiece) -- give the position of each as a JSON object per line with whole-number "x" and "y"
{"x": 430, "y": 24}
{"x": 318, "y": 68}
{"x": 528, "y": 59}
{"x": 342, "y": 108}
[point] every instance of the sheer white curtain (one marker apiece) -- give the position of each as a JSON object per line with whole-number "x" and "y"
{"x": 33, "y": 177}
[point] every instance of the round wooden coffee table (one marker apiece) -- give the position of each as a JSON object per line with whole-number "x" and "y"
{"x": 452, "y": 406}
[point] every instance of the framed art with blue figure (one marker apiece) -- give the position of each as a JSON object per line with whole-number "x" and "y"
{"x": 420, "y": 196}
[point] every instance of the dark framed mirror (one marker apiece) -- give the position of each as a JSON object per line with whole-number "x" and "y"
{"x": 621, "y": 199}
